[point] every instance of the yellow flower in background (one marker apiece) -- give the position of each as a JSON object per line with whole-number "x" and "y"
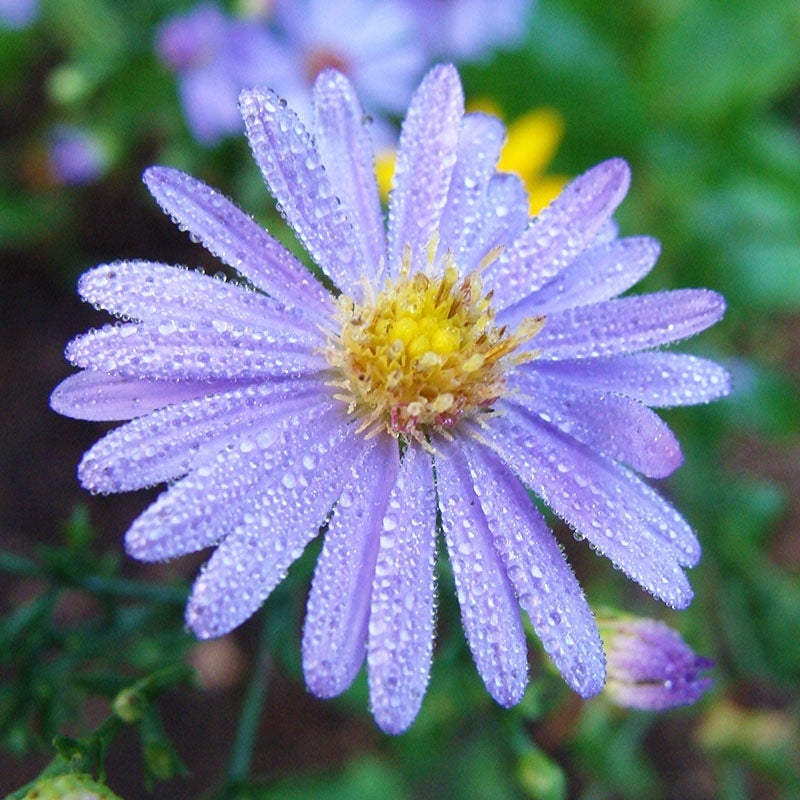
{"x": 532, "y": 141}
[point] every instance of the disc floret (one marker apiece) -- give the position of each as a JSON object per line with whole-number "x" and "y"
{"x": 424, "y": 352}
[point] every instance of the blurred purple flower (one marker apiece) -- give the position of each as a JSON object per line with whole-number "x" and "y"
{"x": 18, "y": 14}
{"x": 469, "y": 29}
{"x": 467, "y": 354}
{"x": 650, "y": 666}
{"x": 373, "y": 42}
{"x": 76, "y": 156}
{"x": 215, "y": 56}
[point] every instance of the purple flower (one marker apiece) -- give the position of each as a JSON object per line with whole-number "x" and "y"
{"x": 469, "y": 29}
{"x": 18, "y": 14}
{"x": 76, "y": 155}
{"x": 650, "y": 666}
{"x": 215, "y": 57}
{"x": 373, "y": 42}
{"x": 467, "y": 353}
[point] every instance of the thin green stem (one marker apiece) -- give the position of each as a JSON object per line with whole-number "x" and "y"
{"x": 122, "y": 588}
{"x": 242, "y": 752}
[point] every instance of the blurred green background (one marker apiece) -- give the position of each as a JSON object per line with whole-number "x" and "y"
{"x": 702, "y": 97}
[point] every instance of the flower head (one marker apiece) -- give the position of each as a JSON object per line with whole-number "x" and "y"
{"x": 469, "y": 29}
{"x": 373, "y": 42}
{"x": 215, "y": 56}
{"x": 466, "y": 353}
{"x": 650, "y": 666}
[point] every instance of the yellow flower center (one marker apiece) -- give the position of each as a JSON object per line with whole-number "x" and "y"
{"x": 423, "y": 353}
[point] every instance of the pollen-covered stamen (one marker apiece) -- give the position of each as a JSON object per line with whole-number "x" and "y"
{"x": 423, "y": 353}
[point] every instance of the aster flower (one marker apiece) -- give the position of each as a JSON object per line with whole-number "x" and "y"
{"x": 465, "y": 354}
{"x": 469, "y": 29}
{"x": 650, "y": 666}
{"x": 373, "y": 42}
{"x": 215, "y": 56}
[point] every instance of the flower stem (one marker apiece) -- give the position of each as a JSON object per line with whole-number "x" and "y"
{"x": 250, "y": 716}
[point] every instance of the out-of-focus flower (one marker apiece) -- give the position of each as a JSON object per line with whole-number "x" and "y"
{"x": 469, "y": 29}
{"x": 372, "y": 42}
{"x": 649, "y": 665}
{"x": 215, "y": 56}
{"x": 76, "y": 155}
{"x": 465, "y": 355}
{"x": 18, "y": 14}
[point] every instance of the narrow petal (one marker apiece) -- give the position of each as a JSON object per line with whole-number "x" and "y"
{"x": 202, "y": 351}
{"x": 426, "y": 156}
{"x": 337, "y": 613}
{"x": 600, "y": 273}
{"x": 228, "y": 492}
{"x": 588, "y": 492}
{"x": 238, "y": 240}
{"x": 560, "y": 232}
{"x": 400, "y": 642}
{"x": 502, "y": 217}
{"x": 297, "y": 488}
{"x": 656, "y": 379}
{"x": 99, "y": 397}
{"x": 489, "y": 609}
{"x": 173, "y": 441}
{"x": 345, "y": 147}
{"x": 479, "y": 146}
{"x": 617, "y": 426}
{"x": 291, "y": 166}
{"x": 545, "y": 584}
{"x": 151, "y": 292}
{"x": 628, "y": 324}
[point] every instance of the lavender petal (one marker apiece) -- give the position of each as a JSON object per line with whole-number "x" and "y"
{"x": 98, "y": 396}
{"x": 198, "y": 351}
{"x": 172, "y": 441}
{"x": 599, "y": 273}
{"x": 656, "y": 379}
{"x": 627, "y": 324}
{"x": 503, "y": 215}
{"x": 490, "y": 612}
{"x": 400, "y": 639}
{"x": 337, "y": 612}
{"x": 545, "y": 584}
{"x": 345, "y": 148}
{"x": 479, "y": 146}
{"x": 297, "y": 485}
{"x": 587, "y": 491}
{"x": 221, "y": 495}
{"x": 559, "y": 233}
{"x": 426, "y": 156}
{"x": 151, "y": 292}
{"x": 291, "y": 166}
{"x": 235, "y": 238}
{"x": 614, "y": 425}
